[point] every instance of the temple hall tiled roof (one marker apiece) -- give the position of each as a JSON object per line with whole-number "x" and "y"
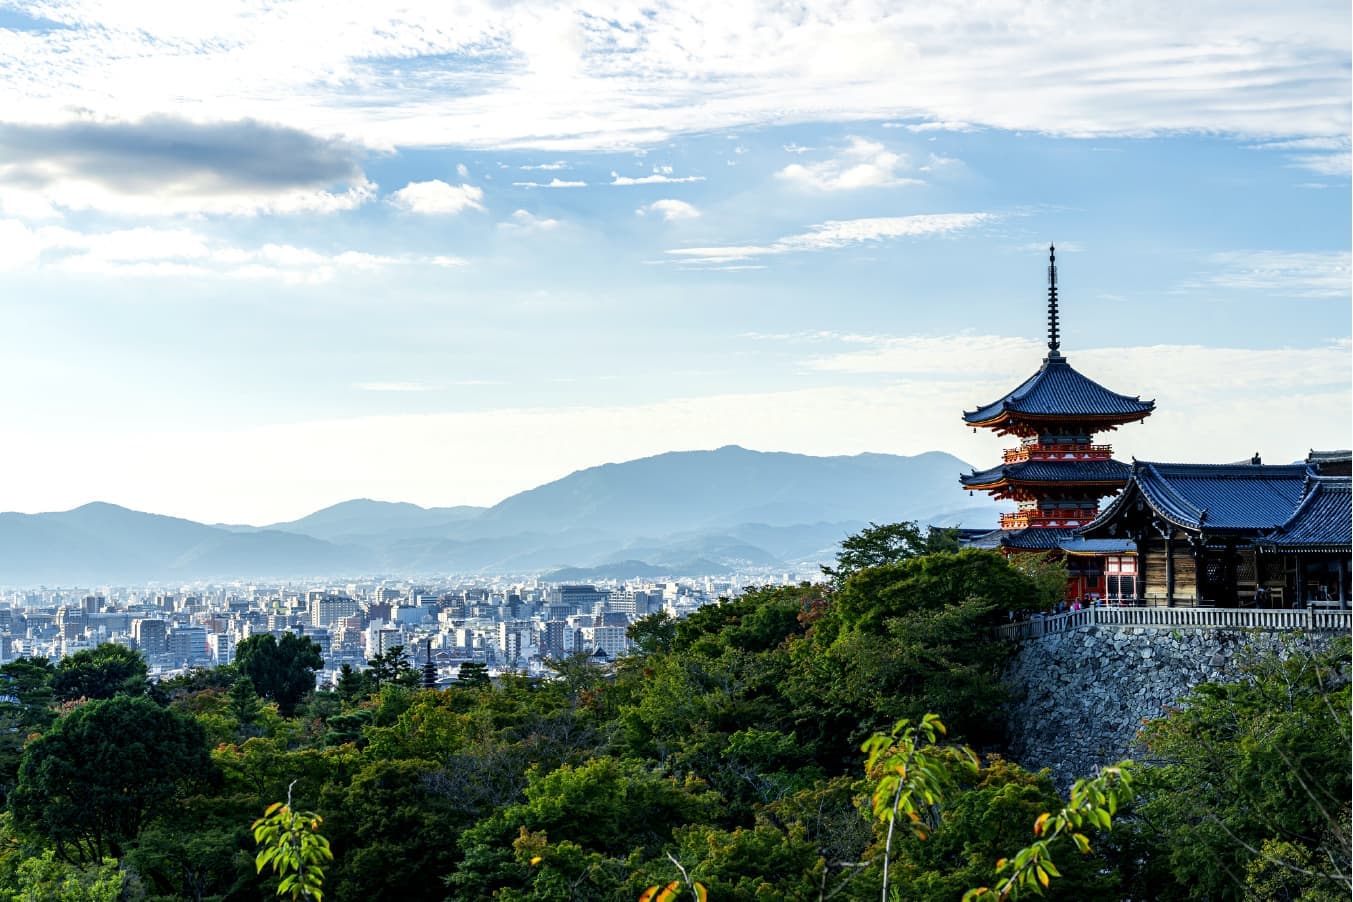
{"x": 1244, "y": 498}
{"x": 1069, "y": 472}
{"x": 1323, "y": 520}
{"x": 1058, "y": 390}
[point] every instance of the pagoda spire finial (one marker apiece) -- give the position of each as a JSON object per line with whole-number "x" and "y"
{"x": 1054, "y": 338}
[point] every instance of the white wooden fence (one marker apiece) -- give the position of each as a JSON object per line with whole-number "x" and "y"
{"x": 1322, "y": 620}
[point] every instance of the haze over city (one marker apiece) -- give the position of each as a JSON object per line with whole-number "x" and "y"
{"x": 257, "y": 260}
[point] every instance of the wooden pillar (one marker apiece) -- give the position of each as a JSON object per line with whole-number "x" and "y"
{"x": 1340, "y": 568}
{"x": 1169, "y": 569}
{"x": 1140, "y": 577}
{"x": 1300, "y": 588}
{"x": 1229, "y": 576}
{"x": 1199, "y": 569}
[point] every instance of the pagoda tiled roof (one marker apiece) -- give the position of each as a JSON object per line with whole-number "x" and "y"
{"x": 1081, "y": 545}
{"x": 1242, "y": 498}
{"x": 1050, "y": 472}
{"x": 1058, "y": 390}
{"x": 1022, "y": 539}
{"x": 1323, "y": 520}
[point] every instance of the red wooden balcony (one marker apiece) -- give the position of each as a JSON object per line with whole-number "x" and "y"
{"x": 1047, "y": 519}
{"x": 1058, "y": 452}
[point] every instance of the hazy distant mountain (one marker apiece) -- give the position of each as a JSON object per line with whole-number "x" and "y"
{"x": 687, "y": 512}
{"x": 364, "y": 517}
{"x": 106, "y": 543}
{"x": 620, "y": 570}
{"x": 685, "y": 490}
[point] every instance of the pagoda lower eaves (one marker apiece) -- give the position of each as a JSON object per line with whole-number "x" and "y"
{"x": 1057, "y": 474}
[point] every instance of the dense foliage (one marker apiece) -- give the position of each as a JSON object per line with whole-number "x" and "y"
{"x": 726, "y": 752}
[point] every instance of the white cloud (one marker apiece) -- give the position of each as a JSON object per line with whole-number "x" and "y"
{"x": 437, "y": 198}
{"x": 657, "y": 178}
{"x": 564, "y": 74}
{"x": 796, "y": 148}
{"x": 839, "y": 234}
{"x": 545, "y": 167}
{"x": 552, "y": 183}
{"x": 165, "y": 164}
{"x": 861, "y": 164}
{"x": 670, "y": 209}
{"x": 270, "y": 473}
{"x": 525, "y": 221}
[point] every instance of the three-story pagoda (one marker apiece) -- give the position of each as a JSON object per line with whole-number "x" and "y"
{"x": 1058, "y": 473}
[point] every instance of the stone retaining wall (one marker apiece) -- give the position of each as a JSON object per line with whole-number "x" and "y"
{"x": 1080, "y": 696}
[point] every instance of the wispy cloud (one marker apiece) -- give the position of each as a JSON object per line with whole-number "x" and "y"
{"x": 1326, "y": 155}
{"x": 660, "y": 176}
{"x": 838, "y": 234}
{"x": 393, "y": 386}
{"x": 924, "y": 127}
{"x": 545, "y": 167}
{"x": 552, "y": 183}
{"x": 183, "y": 253}
{"x": 977, "y": 358}
{"x": 1285, "y": 273}
{"x": 670, "y": 209}
{"x": 437, "y": 198}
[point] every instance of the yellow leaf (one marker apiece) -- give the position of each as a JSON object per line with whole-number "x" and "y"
{"x": 1042, "y": 877}
{"x": 649, "y": 894}
{"x": 1038, "y": 824}
{"x": 1000, "y": 864}
{"x": 701, "y": 893}
{"x": 535, "y": 860}
{"x": 669, "y": 892}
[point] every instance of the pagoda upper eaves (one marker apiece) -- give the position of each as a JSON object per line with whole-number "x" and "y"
{"x": 1057, "y": 396}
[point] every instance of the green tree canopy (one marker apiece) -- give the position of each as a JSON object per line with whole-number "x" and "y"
{"x": 100, "y": 672}
{"x": 392, "y": 667}
{"x": 102, "y": 773}
{"x": 876, "y": 545}
{"x": 25, "y": 708}
{"x": 1253, "y": 784}
{"x": 283, "y": 670}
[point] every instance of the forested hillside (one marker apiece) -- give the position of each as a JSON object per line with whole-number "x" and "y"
{"x": 729, "y": 748}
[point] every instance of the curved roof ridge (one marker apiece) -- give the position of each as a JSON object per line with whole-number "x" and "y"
{"x": 1321, "y": 519}
{"x": 1159, "y": 491}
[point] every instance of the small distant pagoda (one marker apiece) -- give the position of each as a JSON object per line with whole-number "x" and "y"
{"x": 1057, "y": 474}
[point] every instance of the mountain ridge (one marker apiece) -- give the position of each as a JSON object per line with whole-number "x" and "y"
{"x": 729, "y": 507}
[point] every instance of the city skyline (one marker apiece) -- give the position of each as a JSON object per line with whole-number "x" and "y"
{"x": 258, "y": 261}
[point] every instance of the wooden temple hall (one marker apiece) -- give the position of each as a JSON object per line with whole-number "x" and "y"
{"x": 1247, "y": 534}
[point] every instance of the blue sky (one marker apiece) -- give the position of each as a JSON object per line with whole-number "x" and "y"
{"x": 258, "y": 259}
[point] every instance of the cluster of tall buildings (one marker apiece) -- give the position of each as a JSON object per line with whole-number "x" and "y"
{"x": 515, "y": 627}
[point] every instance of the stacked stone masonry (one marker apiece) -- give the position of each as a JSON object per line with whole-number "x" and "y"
{"x": 1080, "y": 697}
